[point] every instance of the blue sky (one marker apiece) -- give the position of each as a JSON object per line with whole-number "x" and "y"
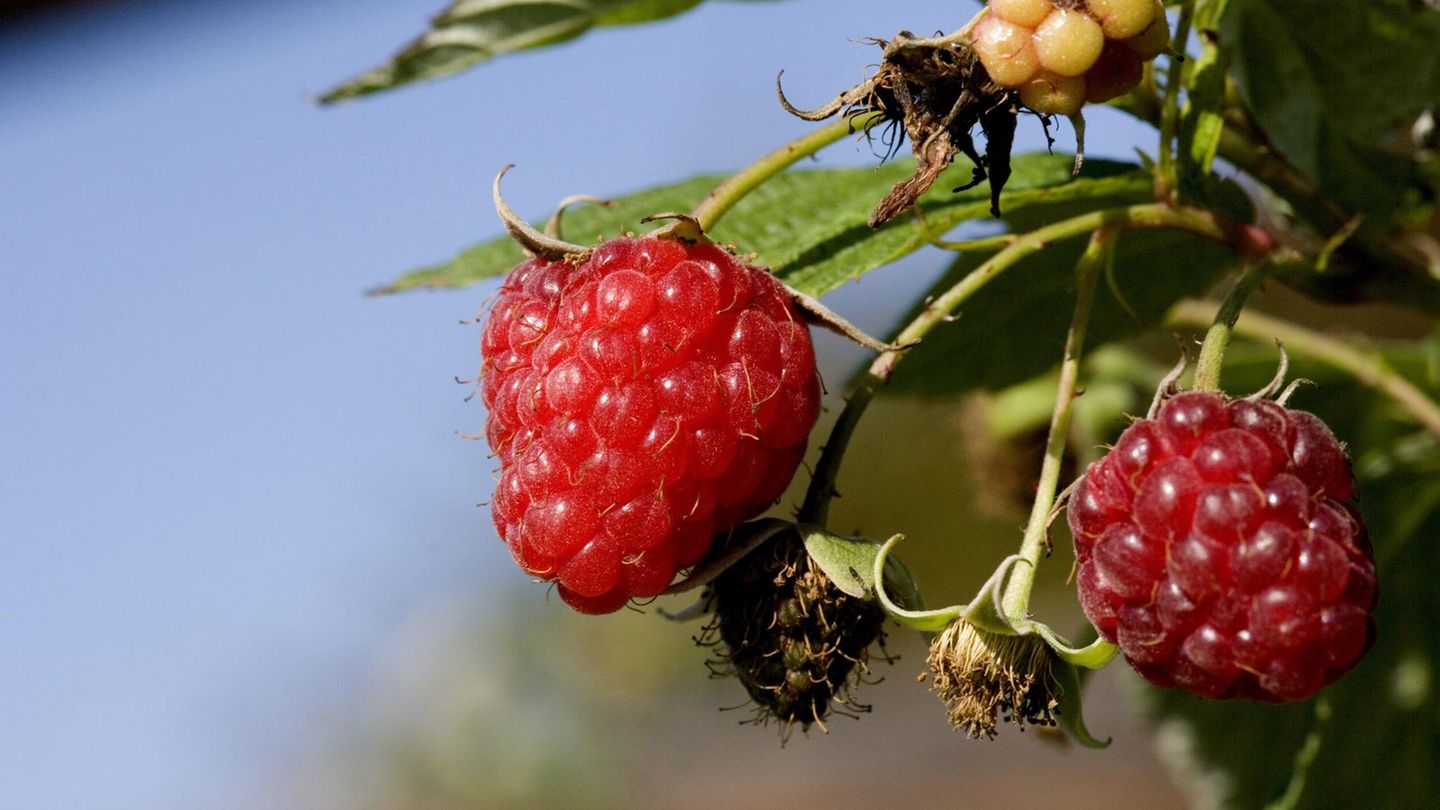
{"x": 225, "y": 476}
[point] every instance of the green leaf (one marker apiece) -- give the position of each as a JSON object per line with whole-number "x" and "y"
{"x": 1380, "y": 747}
{"x": 848, "y": 561}
{"x": 473, "y": 31}
{"x": 819, "y": 248}
{"x": 809, "y": 226}
{"x": 1336, "y": 85}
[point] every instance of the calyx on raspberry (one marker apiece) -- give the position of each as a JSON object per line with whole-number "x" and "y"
{"x": 1216, "y": 548}
{"x": 643, "y": 396}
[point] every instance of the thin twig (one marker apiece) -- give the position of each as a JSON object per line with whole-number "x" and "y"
{"x": 1165, "y": 177}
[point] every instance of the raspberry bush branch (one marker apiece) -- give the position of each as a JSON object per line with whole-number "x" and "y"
{"x": 1001, "y": 607}
{"x": 1305, "y": 757}
{"x": 1245, "y": 240}
{"x": 1015, "y": 602}
{"x": 1166, "y": 182}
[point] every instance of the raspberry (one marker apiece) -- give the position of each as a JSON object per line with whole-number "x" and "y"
{"x": 1068, "y": 42}
{"x": 1054, "y": 94}
{"x": 642, "y": 401}
{"x": 1060, "y": 55}
{"x": 1028, "y": 13}
{"x": 1007, "y": 51}
{"x": 1122, "y": 19}
{"x": 798, "y": 644}
{"x": 1215, "y": 549}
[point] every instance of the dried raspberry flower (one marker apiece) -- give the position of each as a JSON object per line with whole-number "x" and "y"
{"x": 797, "y": 642}
{"x": 987, "y": 678}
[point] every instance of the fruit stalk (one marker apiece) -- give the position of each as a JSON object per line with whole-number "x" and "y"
{"x": 1212, "y": 352}
{"x": 1369, "y": 370}
{"x": 1015, "y": 602}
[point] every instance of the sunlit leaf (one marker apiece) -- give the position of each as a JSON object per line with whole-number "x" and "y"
{"x": 809, "y": 226}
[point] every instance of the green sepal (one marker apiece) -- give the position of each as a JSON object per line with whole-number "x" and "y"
{"x": 850, "y": 564}
{"x": 1095, "y": 655}
{"x": 744, "y": 539}
{"x": 926, "y": 621}
{"x": 1070, "y": 711}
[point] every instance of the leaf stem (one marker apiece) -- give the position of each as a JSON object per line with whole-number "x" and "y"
{"x": 1166, "y": 183}
{"x": 1015, "y": 602}
{"x": 1246, "y": 240}
{"x": 1212, "y": 351}
{"x": 1370, "y": 370}
{"x": 724, "y": 197}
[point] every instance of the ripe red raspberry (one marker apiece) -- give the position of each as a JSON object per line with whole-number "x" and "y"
{"x": 640, "y": 402}
{"x": 1215, "y": 549}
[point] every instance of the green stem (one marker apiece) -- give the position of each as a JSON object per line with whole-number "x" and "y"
{"x": 1015, "y": 602}
{"x": 1212, "y": 352}
{"x": 1166, "y": 183}
{"x": 724, "y": 197}
{"x": 1369, "y": 370}
{"x": 1244, "y": 239}
{"x": 982, "y": 244}
{"x": 1305, "y": 758}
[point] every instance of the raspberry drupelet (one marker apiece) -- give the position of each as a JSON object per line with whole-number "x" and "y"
{"x": 1216, "y": 548}
{"x": 1060, "y": 54}
{"x": 641, "y": 401}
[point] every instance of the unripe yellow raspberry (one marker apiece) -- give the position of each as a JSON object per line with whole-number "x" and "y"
{"x": 1068, "y": 42}
{"x": 1122, "y": 19}
{"x": 1006, "y": 51}
{"x": 1055, "y": 94}
{"x": 1028, "y": 13}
